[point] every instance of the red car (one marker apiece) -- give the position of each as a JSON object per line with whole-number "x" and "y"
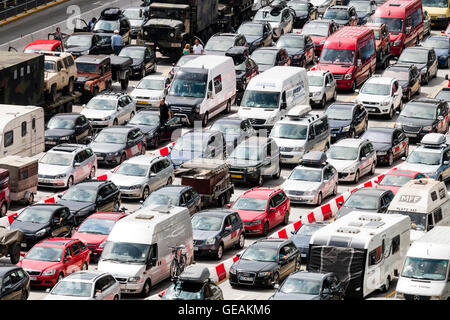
{"x": 4, "y": 192}
{"x": 95, "y": 230}
{"x": 261, "y": 209}
{"x": 52, "y": 259}
{"x": 319, "y": 30}
{"x": 394, "y": 179}
{"x": 44, "y": 45}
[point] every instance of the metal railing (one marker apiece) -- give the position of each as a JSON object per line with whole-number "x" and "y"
{"x": 11, "y": 8}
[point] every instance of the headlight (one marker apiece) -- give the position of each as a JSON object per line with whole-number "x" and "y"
{"x": 85, "y": 52}
{"x": 348, "y": 76}
{"x": 64, "y": 138}
{"x": 264, "y": 274}
{"x": 60, "y": 176}
{"x": 321, "y": 42}
{"x": 423, "y": 70}
{"x": 254, "y": 222}
{"x": 210, "y": 241}
{"x": 145, "y": 33}
{"x": 102, "y": 245}
{"x": 350, "y": 169}
{"x": 197, "y": 108}
{"x": 134, "y": 279}
{"x": 397, "y": 43}
{"x": 40, "y": 233}
{"x": 136, "y": 186}
{"x": 49, "y": 272}
{"x": 386, "y": 102}
{"x": 106, "y": 118}
{"x": 398, "y": 125}
{"x": 381, "y": 153}
{"x": 114, "y": 154}
{"x": 346, "y": 129}
{"x": 310, "y": 193}
{"x": 252, "y": 169}
{"x": 316, "y": 94}
{"x": 298, "y": 149}
{"x": 232, "y": 270}
{"x": 428, "y": 128}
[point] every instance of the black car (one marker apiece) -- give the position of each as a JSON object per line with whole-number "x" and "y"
{"x": 150, "y": 124}
{"x": 258, "y": 34}
{"x": 389, "y": 143}
{"x": 443, "y": 94}
{"x": 219, "y": 43}
{"x": 347, "y": 120}
{"x": 342, "y": 15}
{"x": 67, "y": 128}
{"x": 299, "y": 47}
{"x": 144, "y": 59}
{"x": 424, "y": 59}
{"x": 86, "y": 198}
{"x": 303, "y": 234}
{"x": 137, "y": 16}
{"x": 244, "y": 66}
{"x": 216, "y": 230}
{"x": 41, "y": 221}
{"x": 265, "y": 262}
{"x": 364, "y": 9}
{"x": 421, "y": 116}
{"x": 304, "y": 12}
{"x": 304, "y": 285}
{"x": 113, "y": 19}
{"x": 267, "y": 58}
{"x": 82, "y": 43}
{"x": 408, "y": 77}
{"x": 234, "y": 129}
{"x": 14, "y": 283}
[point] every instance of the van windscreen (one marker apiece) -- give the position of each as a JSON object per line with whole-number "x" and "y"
{"x": 418, "y": 219}
{"x": 337, "y": 56}
{"x": 189, "y": 84}
{"x": 125, "y": 252}
{"x": 260, "y": 99}
{"x": 435, "y": 3}
{"x": 425, "y": 269}
{"x": 393, "y": 24}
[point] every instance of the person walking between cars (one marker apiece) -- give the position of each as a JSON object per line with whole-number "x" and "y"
{"x": 164, "y": 111}
{"x": 116, "y": 42}
{"x": 197, "y": 48}
{"x": 58, "y": 35}
{"x": 91, "y": 23}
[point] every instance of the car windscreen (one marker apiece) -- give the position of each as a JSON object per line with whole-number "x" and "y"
{"x": 378, "y": 137}
{"x": 397, "y": 74}
{"x": 110, "y": 137}
{"x": 414, "y": 56}
{"x": 60, "y": 123}
{"x": 336, "y": 15}
{"x": 42, "y": 253}
{"x": 360, "y": 6}
{"x": 261, "y": 99}
{"x": 289, "y": 131}
{"x": 204, "y": 223}
{"x": 96, "y": 226}
{"x": 80, "y": 194}
{"x": 101, "y": 104}
{"x": 132, "y": 169}
{"x": 49, "y": 66}
{"x": 246, "y": 153}
{"x": 300, "y": 286}
{"x": 303, "y": 174}
{"x": 189, "y": 84}
{"x": 35, "y": 215}
{"x": 232, "y": 128}
{"x": 298, "y": 6}
{"x": 362, "y": 202}
{"x": 251, "y": 29}
{"x": 418, "y": 111}
{"x": 107, "y": 25}
{"x": 250, "y": 204}
{"x": 161, "y": 198}
{"x": 315, "y": 29}
{"x": 308, "y": 229}
{"x": 337, "y": 56}
{"x": 87, "y": 67}
{"x": 183, "y": 290}
{"x": 435, "y": 3}
{"x": 315, "y": 81}
{"x": 133, "y": 53}
{"x": 425, "y": 269}
{"x": 185, "y": 59}
{"x": 134, "y": 13}
{"x": 394, "y": 180}
{"x": 376, "y": 89}
{"x": 72, "y": 289}
{"x": 79, "y": 41}
{"x": 150, "y": 119}
{"x": 125, "y": 252}
{"x": 266, "y": 57}
{"x": 189, "y": 143}
{"x": 339, "y": 113}
{"x": 394, "y": 25}
{"x": 443, "y": 95}
{"x": 441, "y": 43}
{"x": 423, "y": 157}
{"x": 151, "y": 84}
{"x": 57, "y": 159}
{"x": 342, "y": 153}
{"x": 262, "y": 254}
{"x": 219, "y": 43}
{"x": 291, "y": 42}
{"x": 265, "y": 15}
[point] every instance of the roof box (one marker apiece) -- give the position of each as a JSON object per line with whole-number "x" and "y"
{"x": 314, "y": 159}
{"x": 195, "y": 274}
{"x": 237, "y": 51}
{"x": 111, "y": 13}
{"x": 299, "y": 111}
{"x": 434, "y": 139}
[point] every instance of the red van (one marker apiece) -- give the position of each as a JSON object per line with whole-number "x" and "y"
{"x": 350, "y": 55}
{"x": 4, "y": 191}
{"x": 404, "y": 20}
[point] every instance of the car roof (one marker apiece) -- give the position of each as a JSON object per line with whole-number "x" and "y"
{"x": 84, "y": 276}
{"x": 226, "y": 35}
{"x": 371, "y": 191}
{"x": 67, "y": 115}
{"x": 349, "y": 142}
{"x": 340, "y": 7}
{"x": 418, "y": 48}
{"x": 55, "y": 242}
{"x": 172, "y": 188}
{"x": 156, "y": 77}
{"x": 309, "y": 275}
{"x": 97, "y": 59}
{"x": 342, "y": 105}
{"x": 381, "y": 129}
{"x": 256, "y": 140}
{"x": 259, "y": 192}
{"x": 425, "y": 102}
{"x": 91, "y": 183}
{"x": 145, "y": 159}
{"x": 401, "y": 172}
{"x": 381, "y": 80}
{"x": 119, "y": 129}
{"x": 271, "y": 242}
{"x": 135, "y": 46}
{"x": 67, "y": 147}
{"x": 230, "y": 119}
{"x": 400, "y": 66}
{"x": 318, "y": 72}
{"x": 274, "y": 49}
{"x": 201, "y": 133}
{"x": 107, "y": 215}
{"x": 217, "y": 212}
{"x": 47, "y": 205}
{"x": 5, "y": 269}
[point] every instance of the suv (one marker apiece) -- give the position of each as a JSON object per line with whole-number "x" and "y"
{"x": 113, "y": 19}
{"x": 219, "y": 43}
{"x": 257, "y": 34}
{"x": 281, "y": 19}
{"x": 408, "y": 77}
{"x": 299, "y": 47}
{"x": 93, "y": 74}
{"x": 342, "y": 15}
{"x": 253, "y": 159}
{"x": 322, "y": 87}
{"x": 382, "y": 40}
{"x": 352, "y": 158}
{"x": 347, "y": 120}
{"x": 60, "y": 73}
{"x": 267, "y": 57}
{"x": 65, "y": 165}
{"x": 416, "y": 56}
{"x": 244, "y": 66}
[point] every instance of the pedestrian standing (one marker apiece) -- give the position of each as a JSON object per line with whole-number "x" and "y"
{"x": 164, "y": 111}
{"x": 198, "y": 48}
{"x": 187, "y": 49}
{"x": 116, "y": 42}
{"x": 58, "y": 35}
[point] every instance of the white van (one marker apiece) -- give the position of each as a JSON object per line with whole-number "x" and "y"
{"x": 426, "y": 202}
{"x": 366, "y": 250}
{"x": 202, "y": 88}
{"x": 137, "y": 252}
{"x": 21, "y": 130}
{"x": 271, "y": 94}
{"x": 426, "y": 274}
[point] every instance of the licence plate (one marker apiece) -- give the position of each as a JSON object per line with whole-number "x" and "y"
{"x": 142, "y": 102}
{"x": 333, "y": 134}
{"x": 51, "y": 142}
{"x": 245, "y": 278}
{"x": 23, "y": 245}
{"x": 100, "y": 158}
{"x": 33, "y": 278}
{"x": 176, "y": 45}
{"x": 237, "y": 176}
{"x": 195, "y": 248}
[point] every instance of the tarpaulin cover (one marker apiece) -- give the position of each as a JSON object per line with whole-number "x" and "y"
{"x": 9, "y": 237}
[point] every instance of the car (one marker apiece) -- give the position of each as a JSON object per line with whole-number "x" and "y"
{"x": 50, "y": 260}
{"x": 139, "y": 176}
{"x": 390, "y": 144}
{"x": 300, "y": 48}
{"x": 322, "y": 5}
{"x": 244, "y": 66}
{"x": 137, "y": 16}
{"x": 352, "y": 158}
{"x": 443, "y": 94}
{"x": 394, "y": 179}
{"x": 424, "y": 59}
{"x": 194, "y": 283}
{"x": 347, "y": 120}
{"x": 66, "y": 164}
{"x": 319, "y": 31}
{"x": 144, "y": 59}
{"x": 381, "y": 96}
{"x": 219, "y": 43}
{"x": 312, "y": 181}
{"x": 86, "y": 198}
{"x": 446, "y": 31}
{"x": 116, "y": 144}
{"x": 216, "y": 230}
{"x": 254, "y": 159}
{"x": 44, "y": 45}
{"x": 181, "y": 61}
{"x": 431, "y": 157}
{"x": 257, "y": 34}
{"x": 93, "y": 75}
{"x": 302, "y": 235}
{"x": 14, "y": 283}
{"x": 41, "y": 221}
{"x": 177, "y": 195}
{"x": 150, "y": 90}
{"x": 67, "y": 128}
{"x": 268, "y": 57}
{"x": 364, "y": 9}
{"x": 262, "y": 209}
{"x": 422, "y": 116}
{"x": 280, "y": 18}
{"x": 382, "y": 40}
{"x": 112, "y": 18}
{"x": 322, "y": 87}
{"x": 342, "y": 15}
{"x": 408, "y": 77}
{"x": 304, "y": 285}
{"x": 88, "y": 43}
{"x": 109, "y": 109}
{"x": 266, "y": 262}
{"x": 60, "y": 73}
{"x": 86, "y": 285}
{"x": 234, "y": 129}
{"x": 304, "y": 12}
{"x": 441, "y": 46}
{"x": 367, "y": 200}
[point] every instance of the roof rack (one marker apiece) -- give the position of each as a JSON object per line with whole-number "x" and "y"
{"x": 314, "y": 159}
{"x": 434, "y": 140}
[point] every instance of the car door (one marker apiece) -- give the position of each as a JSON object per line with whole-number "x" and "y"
{"x": 103, "y": 289}
{"x": 226, "y": 232}
{"x": 61, "y": 223}
{"x": 81, "y": 128}
{"x": 327, "y": 185}
{"x": 188, "y": 198}
{"x": 359, "y": 120}
{"x": 364, "y": 161}
{"x": 69, "y": 266}
{"x": 281, "y": 206}
{"x": 309, "y": 49}
{"x": 237, "y": 226}
{"x": 397, "y": 96}
{"x": 132, "y": 147}
{"x": 105, "y": 201}
{"x": 432, "y": 62}
{"x": 9, "y": 290}
{"x": 446, "y": 167}
{"x": 78, "y": 170}
{"x": 86, "y": 163}
{"x": 287, "y": 259}
{"x": 77, "y": 256}
{"x": 269, "y": 35}
{"x": 121, "y": 110}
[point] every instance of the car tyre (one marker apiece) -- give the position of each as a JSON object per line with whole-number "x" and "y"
{"x": 286, "y": 218}
{"x": 3, "y": 209}
{"x": 386, "y": 285}
{"x": 116, "y": 297}
{"x": 372, "y": 169}
{"x": 319, "y": 199}
{"x": 143, "y": 149}
{"x": 356, "y": 177}
{"x": 390, "y": 159}
{"x": 69, "y": 182}
{"x": 219, "y": 252}
{"x": 92, "y": 173}
{"x": 260, "y": 181}
{"x": 115, "y": 122}
{"x": 266, "y": 229}
{"x": 205, "y": 119}
{"x": 335, "y": 95}
{"x": 123, "y": 157}
{"x": 323, "y": 102}
{"x": 53, "y": 93}
{"x": 278, "y": 174}
{"x": 14, "y": 253}
{"x": 60, "y": 277}
{"x": 354, "y": 86}
{"x": 241, "y": 243}
{"x": 275, "y": 279}
{"x": 84, "y": 267}
{"x": 169, "y": 181}
{"x": 146, "y": 289}
{"x": 228, "y": 107}
{"x": 335, "y": 190}
{"x": 131, "y": 115}
{"x": 69, "y": 88}
{"x": 390, "y": 115}
{"x": 145, "y": 193}
{"x": 25, "y": 294}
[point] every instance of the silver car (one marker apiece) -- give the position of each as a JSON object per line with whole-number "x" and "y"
{"x": 139, "y": 176}
{"x": 322, "y": 87}
{"x": 86, "y": 285}
{"x": 65, "y": 165}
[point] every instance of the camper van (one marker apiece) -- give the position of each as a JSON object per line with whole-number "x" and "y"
{"x": 202, "y": 88}
{"x": 21, "y": 130}
{"x": 365, "y": 250}
{"x": 426, "y": 274}
{"x": 138, "y": 250}
{"x": 426, "y": 202}
{"x": 271, "y": 94}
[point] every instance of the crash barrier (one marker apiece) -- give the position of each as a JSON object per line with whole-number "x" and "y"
{"x": 11, "y": 8}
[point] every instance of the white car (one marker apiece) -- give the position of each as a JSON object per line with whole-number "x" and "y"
{"x": 65, "y": 165}
{"x": 381, "y": 96}
{"x": 323, "y": 5}
{"x": 352, "y": 158}
{"x": 109, "y": 109}
{"x": 150, "y": 90}
{"x": 322, "y": 87}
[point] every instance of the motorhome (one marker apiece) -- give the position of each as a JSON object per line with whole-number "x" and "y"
{"x": 366, "y": 250}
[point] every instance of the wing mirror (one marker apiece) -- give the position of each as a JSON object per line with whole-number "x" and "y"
{"x": 228, "y": 229}
{"x": 359, "y": 62}
{"x": 210, "y": 95}
{"x": 76, "y": 164}
{"x": 403, "y": 158}
{"x": 363, "y": 158}
{"x": 440, "y": 118}
{"x": 68, "y": 258}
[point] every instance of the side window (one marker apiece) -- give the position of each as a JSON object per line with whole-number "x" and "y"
{"x": 433, "y": 196}
{"x": 218, "y": 84}
{"x": 24, "y": 128}
{"x": 33, "y": 123}
{"x": 75, "y": 249}
{"x": 59, "y": 65}
{"x": 7, "y": 283}
{"x": 375, "y": 256}
{"x": 89, "y": 153}
{"x": 67, "y": 253}
{"x": 430, "y": 221}
{"x": 437, "y": 215}
{"x": 79, "y": 157}
{"x": 82, "y": 246}
{"x": 15, "y": 277}
{"x": 70, "y": 61}
{"x": 395, "y": 244}
{"x": 188, "y": 196}
{"x": 8, "y": 138}
{"x": 233, "y": 219}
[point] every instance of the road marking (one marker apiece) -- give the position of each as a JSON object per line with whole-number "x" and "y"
{"x": 443, "y": 84}
{"x": 351, "y": 97}
{"x": 390, "y": 294}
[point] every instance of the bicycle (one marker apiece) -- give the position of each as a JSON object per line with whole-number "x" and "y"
{"x": 178, "y": 262}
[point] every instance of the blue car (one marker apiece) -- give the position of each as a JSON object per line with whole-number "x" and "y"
{"x": 441, "y": 46}
{"x": 347, "y": 120}
{"x": 302, "y": 236}
{"x": 364, "y": 9}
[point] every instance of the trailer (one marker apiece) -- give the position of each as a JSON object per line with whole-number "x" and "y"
{"x": 121, "y": 70}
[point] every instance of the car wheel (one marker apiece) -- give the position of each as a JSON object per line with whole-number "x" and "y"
{"x": 228, "y": 107}
{"x": 354, "y": 86}
{"x": 406, "y": 153}
{"x": 169, "y": 181}
{"x": 142, "y": 72}
{"x": 131, "y": 115}
{"x": 323, "y": 102}
{"x": 116, "y": 297}
{"x": 266, "y": 229}
{"x": 24, "y": 295}
{"x": 3, "y": 209}
{"x": 123, "y": 157}
{"x": 335, "y": 95}
{"x": 115, "y": 122}
{"x": 85, "y": 266}
{"x": 219, "y": 252}
{"x": 60, "y": 277}
{"x": 14, "y": 253}
{"x": 278, "y": 174}
{"x": 440, "y": 178}
{"x": 386, "y": 285}
{"x": 419, "y": 90}
{"x": 146, "y": 289}
{"x": 92, "y": 173}
{"x": 240, "y": 244}
{"x": 260, "y": 180}
{"x": 276, "y": 278}
{"x": 69, "y": 88}
{"x": 145, "y": 193}
{"x": 390, "y": 159}
{"x": 70, "y": 182}
{"x": 372, "y": 169}
{"x": 221, "y": 200}
{"x": 303, "y": 63}
{"x": 143, "y": 149}
{"x": 53, "y": 94}
{"x": 205, "y": 120}
{"x": 409, "y": 95}
{"x": 391, "y": 113}
{"x": 286, "y": 218}
{"x": 356, "y": 177}
{"x": 156, "y": 142}
{"x": 319, "y": 199}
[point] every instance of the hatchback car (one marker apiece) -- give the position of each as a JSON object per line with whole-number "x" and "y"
{"x": 215, "y": 231}
{"x": 219, "y": 43}
{"x": 265, "y": 262}
{"x": 52, "y": 259}
{"x": 257, "y": 34}
{"x": 14, "y": 283}
{"x": 443, "y": 94}
{"x": 364, "y": 9}
{"x": 269, "y": 57}
{"x": 424, "y": 59}
{"x": 319, "y": 31}
{"x": 302, "y": 235}
{"x": 67, "y": 127}
{"x": 394, "y": 179}
{"x": 144, "y": 59}
{"x": 347, "y": 120}
{"x": 280, "y": 18}
{"x": 65, "y": 165}
{"x": 139, "y": 176}
{"x": 150, "y": 90}
{"x": 244, "y": 66}
{"x": 299, "y": 47}
{"x": 342, "y": 15}
{"x": 116, "y": 144}
{"x": 322, "y": 87}
{"x": 235, "y": 130}
{"x": 112, "y": 18}
{"x": 408, "y": 77}
{"x": 441, "y": 46}
{"x": 82, "y": 43}
{"x": 304, "y": 12}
